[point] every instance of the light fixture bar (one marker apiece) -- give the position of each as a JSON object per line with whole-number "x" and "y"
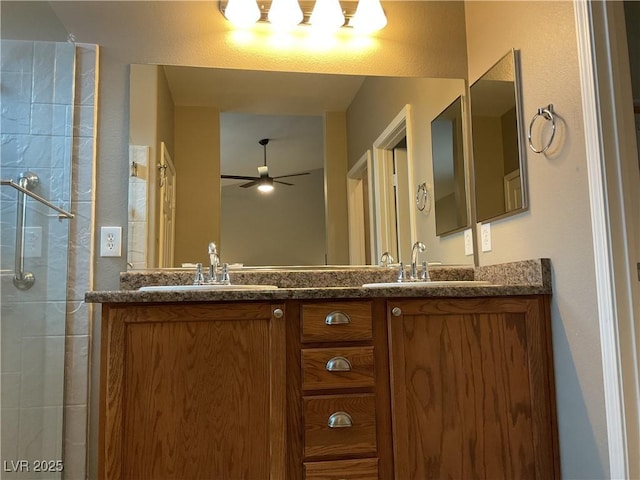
{"x": 348, "y": 9}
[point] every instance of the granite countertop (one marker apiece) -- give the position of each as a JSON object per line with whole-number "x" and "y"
{"x": 527, "y": 277}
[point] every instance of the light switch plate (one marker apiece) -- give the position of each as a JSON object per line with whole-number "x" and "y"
{"x": 485, "y": 236}
{"x": 32, "y": 242}
{"x": 468, "y": 242}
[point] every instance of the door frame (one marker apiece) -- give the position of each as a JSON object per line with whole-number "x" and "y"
{"x": 356, "y": 211}
{"x": 168, "y": 169}
{"x": 605, "y": 81}
{"x": 400, "y": 126}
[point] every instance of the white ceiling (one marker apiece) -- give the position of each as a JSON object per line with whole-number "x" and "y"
{"x": 284, "y": 107}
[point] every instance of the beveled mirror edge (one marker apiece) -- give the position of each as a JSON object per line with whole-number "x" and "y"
{"x": 522, "y": 142}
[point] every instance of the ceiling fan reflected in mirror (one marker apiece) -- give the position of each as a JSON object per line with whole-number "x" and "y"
{"x": 263, "y": 180}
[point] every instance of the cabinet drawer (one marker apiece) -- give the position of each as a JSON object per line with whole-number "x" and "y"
{"x": 336, "y": 321}
{"x": 354, "y": 430}
{"x": 360, "y": 469}
{"x": 326, "y": 368}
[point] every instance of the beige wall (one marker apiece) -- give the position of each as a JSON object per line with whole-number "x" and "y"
{"x": 375, "y": 106}
{"x": 335, "y": 188}
{"x": 487, "y": 131}
{"x": 294, "y": 216}
{"x": 197, "y": 161}
{"x": 558, "y": 223}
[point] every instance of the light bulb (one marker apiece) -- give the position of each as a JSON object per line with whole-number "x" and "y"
{"x": 285, "y": 13}
{"x": 265, "y": 185}
{"x": 327, "y": 15}
{"x": 242, "y": 13}
{"x": 369, "y": 16}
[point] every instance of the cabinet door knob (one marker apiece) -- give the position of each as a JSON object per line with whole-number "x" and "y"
{"x": 396, "y": 311}
{"x": 337, "y": 318}
{"x": 278, "y": 313}
{"x": 338, "y": 364}
{"x": 340, "y": 420}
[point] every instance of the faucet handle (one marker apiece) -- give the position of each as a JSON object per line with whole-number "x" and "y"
{"x": 402, "y": 275}
{"x": 424, "y": 276}
{"x": 198, "y": 279}
{"x": 224, "y": 276}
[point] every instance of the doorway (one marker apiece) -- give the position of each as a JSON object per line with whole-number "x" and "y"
{"x": 393, "y": 177}
{"x": 360, "y": 200}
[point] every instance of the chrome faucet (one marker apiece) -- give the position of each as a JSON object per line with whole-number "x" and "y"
{"x": 214, "y": 263}
{"x": 386, "y": 259}
{"x": 417, "y": 247}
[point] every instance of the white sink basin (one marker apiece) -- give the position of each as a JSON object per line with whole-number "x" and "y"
{"x": 436, "y": 283}
{"x": 203, "y": 288}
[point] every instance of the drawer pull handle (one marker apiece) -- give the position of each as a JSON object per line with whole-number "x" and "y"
{"x": 338, "y": 364}
{"x": 337, "y": 318}
{"x": 340, "y": 420}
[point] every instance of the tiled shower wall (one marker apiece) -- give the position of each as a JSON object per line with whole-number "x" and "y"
{"x": 39, "y": 102}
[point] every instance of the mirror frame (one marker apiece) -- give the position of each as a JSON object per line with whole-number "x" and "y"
{"x": 520, "y": 135}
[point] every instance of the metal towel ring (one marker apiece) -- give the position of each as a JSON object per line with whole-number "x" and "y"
{"x": 547, "y": 114}
{"x": 422, "y": 197}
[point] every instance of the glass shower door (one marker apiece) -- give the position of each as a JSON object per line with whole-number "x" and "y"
{"x": 36, "y": 131}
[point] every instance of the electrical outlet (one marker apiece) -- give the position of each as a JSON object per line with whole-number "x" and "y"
{"x": 468, "y": 242}
{"x": 485, "y": 236}
{"x": 110, "y": 241}
{"x": 32, "y": 242}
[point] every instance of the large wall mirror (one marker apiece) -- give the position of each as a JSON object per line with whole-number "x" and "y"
{"x": 211, "y": 122}
{"x": 449, "y": 177}
{"x": 499, "y": 153}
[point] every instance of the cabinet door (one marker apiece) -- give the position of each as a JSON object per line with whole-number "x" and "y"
{"x": 193, "y": 391}
{"x": 472, "y": 389}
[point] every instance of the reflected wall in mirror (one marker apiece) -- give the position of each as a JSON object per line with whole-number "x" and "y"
{"x": 449, "y": 178}
{"x": 195, "y": 111}
{"x": 499, "y": 154}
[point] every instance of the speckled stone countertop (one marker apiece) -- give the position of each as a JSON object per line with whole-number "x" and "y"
{"x": 527, "y": 277}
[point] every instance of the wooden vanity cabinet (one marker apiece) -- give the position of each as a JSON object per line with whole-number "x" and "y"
{"x": 339, "y": 404}
{"x": 432, "y": 387}
{"x": 192, "y": 390}
{"x": 472, "y": 388}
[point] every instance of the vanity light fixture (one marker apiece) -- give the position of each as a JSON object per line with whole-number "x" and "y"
{"x": 364, "y": 16}
{"x": 285, "y": 13}
{"x": 327, "y": 15}
{"x": 242, "y": 13}
{"x": 369, "y": 16}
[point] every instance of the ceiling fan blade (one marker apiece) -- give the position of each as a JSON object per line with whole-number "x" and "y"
{"x": 292, "y": 175}
{"x": 283, "y": 183}
{"x": 249, "y": 184}
{"x": 239, "y": 177}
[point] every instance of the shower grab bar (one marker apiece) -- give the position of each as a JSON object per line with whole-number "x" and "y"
{"x": 22, "y": 279}
{"x": 62, "y": 213}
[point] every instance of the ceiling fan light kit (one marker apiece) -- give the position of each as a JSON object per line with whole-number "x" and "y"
{"x": 263, "y": 180}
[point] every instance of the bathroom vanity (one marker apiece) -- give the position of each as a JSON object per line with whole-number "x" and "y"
{"x": 330, "y": 382}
